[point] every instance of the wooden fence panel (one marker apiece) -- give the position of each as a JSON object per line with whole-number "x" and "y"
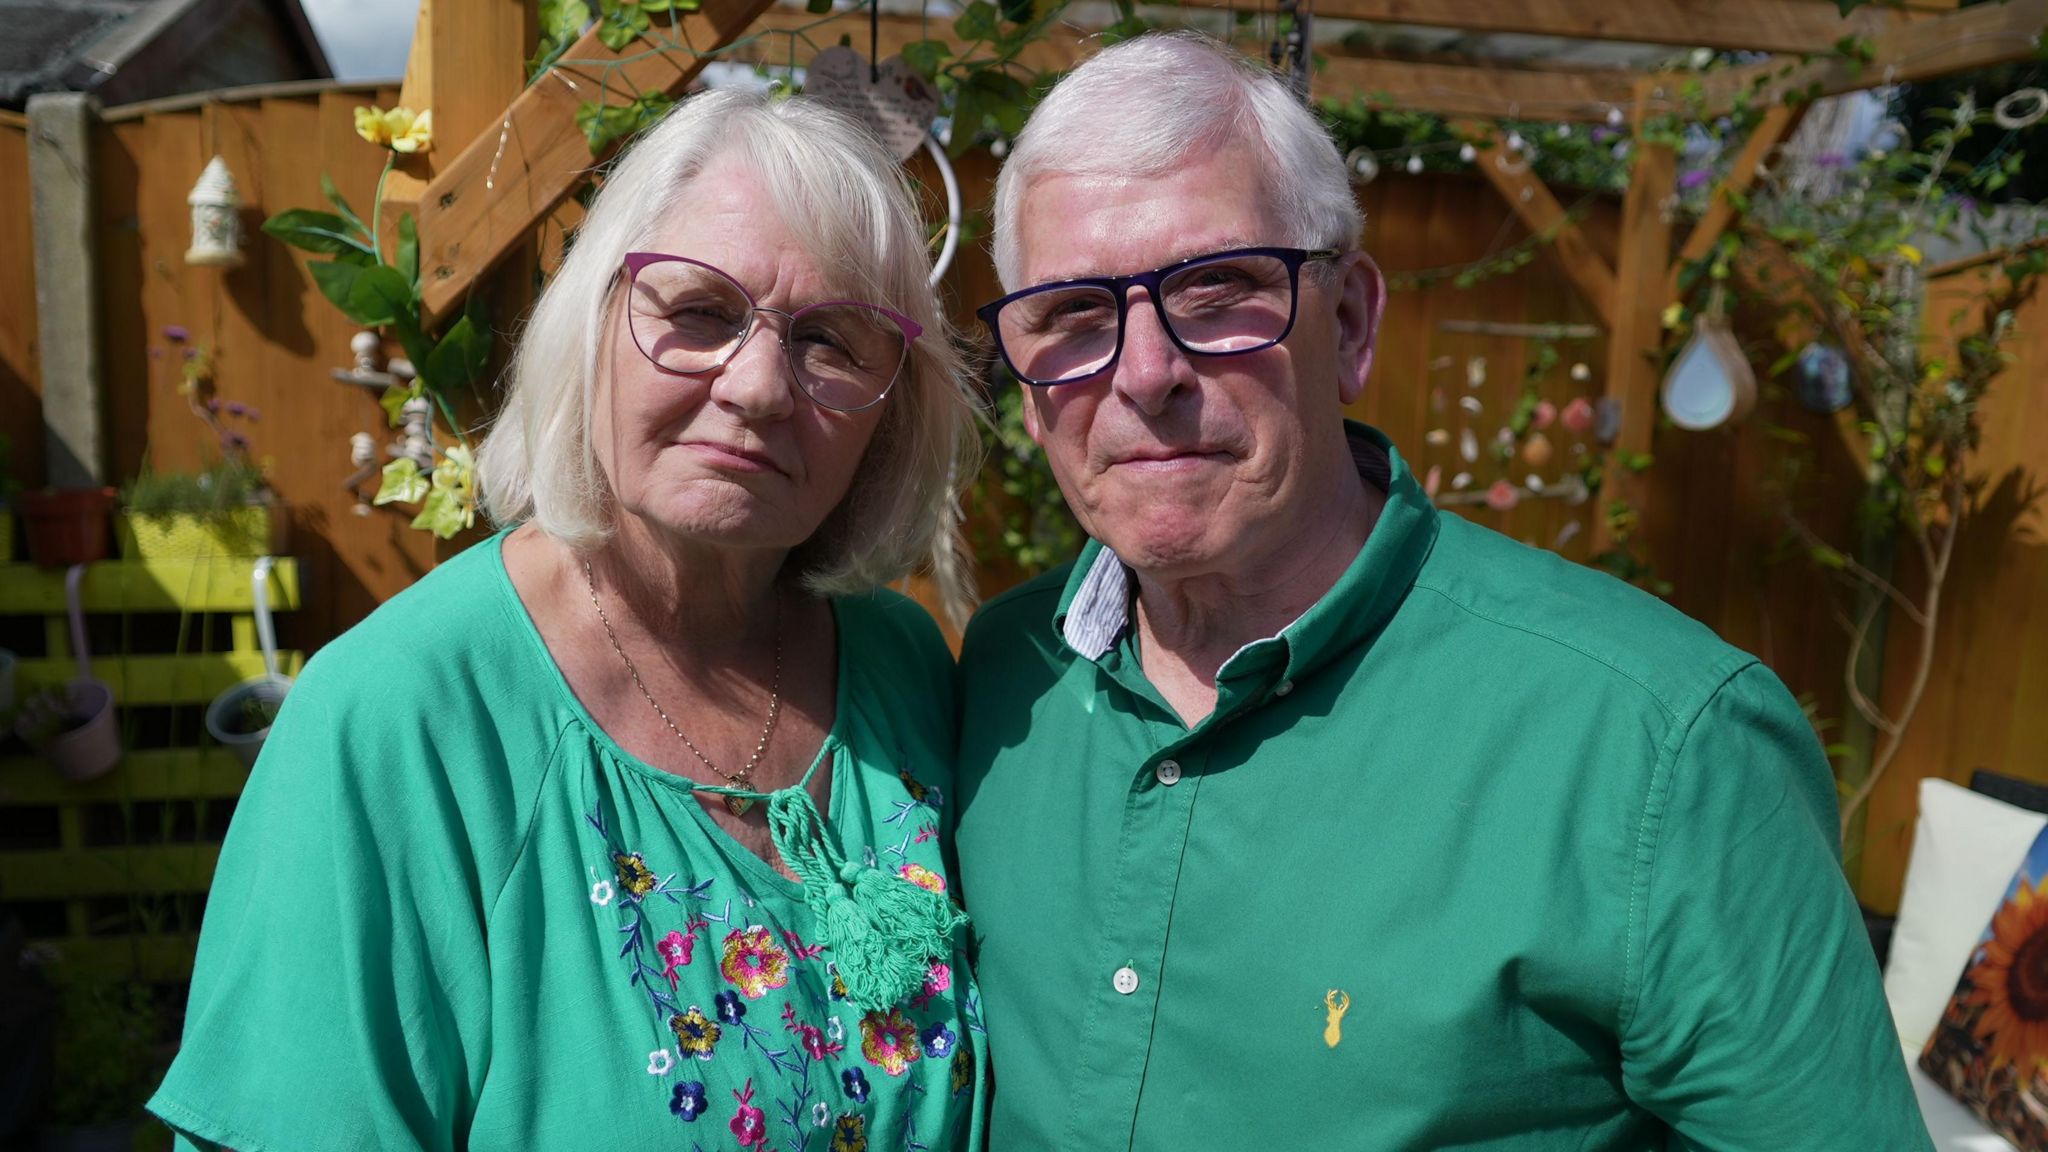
{"x": 21, "y": 387}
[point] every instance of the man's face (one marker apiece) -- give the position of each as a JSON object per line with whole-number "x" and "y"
{"x": 1184, "y": 465}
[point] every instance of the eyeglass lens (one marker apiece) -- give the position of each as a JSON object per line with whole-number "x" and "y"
{"x": 1230, "y": 304}
{"x": 691, "y": 319}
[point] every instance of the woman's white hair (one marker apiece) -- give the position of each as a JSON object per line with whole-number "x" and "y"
{"x": 1148, "y": 104}
{"x": 851, "y": 208}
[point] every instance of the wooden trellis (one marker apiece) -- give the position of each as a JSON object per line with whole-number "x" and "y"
{"x": 501, "y": 174}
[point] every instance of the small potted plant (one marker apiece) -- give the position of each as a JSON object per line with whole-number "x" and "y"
{"x": 72, "y": 727}
{"x": 224, "y": 509}
{"x": 105, "y": 1065}
{"x": 66, "y": 526}
{"x": 239, "y": 719}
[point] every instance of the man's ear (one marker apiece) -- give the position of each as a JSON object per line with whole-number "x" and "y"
{"x": 1361, "y": 301}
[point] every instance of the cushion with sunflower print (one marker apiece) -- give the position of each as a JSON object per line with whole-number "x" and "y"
{"x": 1990, "y": 1048}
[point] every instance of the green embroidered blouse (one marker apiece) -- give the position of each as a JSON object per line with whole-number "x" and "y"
{"x": 452, "y": 913}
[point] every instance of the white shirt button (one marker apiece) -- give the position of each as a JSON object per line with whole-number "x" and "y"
{"x": 1125, "y": 980}
{"x": 1283, "y": 688}
{"x": 1168, "y": 772}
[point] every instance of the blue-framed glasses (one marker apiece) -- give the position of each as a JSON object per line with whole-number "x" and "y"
{"x": 1222, "y": 304}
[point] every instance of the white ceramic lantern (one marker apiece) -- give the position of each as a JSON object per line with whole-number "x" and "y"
{"x": 216, "y": 227}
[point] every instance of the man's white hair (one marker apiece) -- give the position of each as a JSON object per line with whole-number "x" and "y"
{"x": 1153, "y": 102}
{"x": 852, "y": 210}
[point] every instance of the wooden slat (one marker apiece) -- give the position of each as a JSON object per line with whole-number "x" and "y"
{"x": 1973, "y": 37}
{"x": 1774, "y": 129}
{"x": 1539, "y": 210}
{"x": 504, "y": 183}
{"x": 1752, "y": 25}
{"x": 153, "y": 774}
{"x": 107, "y": 871}
{"x": 218, "y": 584}
{"x": 138, "y": 680}
{"x": 1488, "y": 93}
{"x": 1637, "y": 332}
{"x": 156, "y": 959}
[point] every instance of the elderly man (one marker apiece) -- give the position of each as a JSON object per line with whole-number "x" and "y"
{"x": 1297, "y": 815}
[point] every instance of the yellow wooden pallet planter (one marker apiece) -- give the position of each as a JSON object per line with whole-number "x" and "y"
{"x": 6, "y": 535}
{"x": 255, "y": 530}
{"x": 71, "y": 882}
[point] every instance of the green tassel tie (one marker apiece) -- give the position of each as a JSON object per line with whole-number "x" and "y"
{"x": 882, "y": 930}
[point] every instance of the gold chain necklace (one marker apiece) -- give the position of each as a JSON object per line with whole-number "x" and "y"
{"x": 737, "y": 805}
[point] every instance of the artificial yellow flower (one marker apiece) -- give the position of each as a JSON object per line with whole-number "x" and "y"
{"x": 398, "y": 129}
{"x": 1674, "y": 315}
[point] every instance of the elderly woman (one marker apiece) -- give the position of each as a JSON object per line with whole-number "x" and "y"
{"x": 537, "y": 855}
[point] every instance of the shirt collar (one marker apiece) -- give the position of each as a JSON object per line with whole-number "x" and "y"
{"x": 1095, "y": 609}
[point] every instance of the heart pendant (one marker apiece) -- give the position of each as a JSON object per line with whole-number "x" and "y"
{"x": 892, "y": 99}
{"x": 738, "y": 805}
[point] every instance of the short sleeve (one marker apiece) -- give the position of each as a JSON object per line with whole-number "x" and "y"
{"x": 341, "y": 994}
{"x": 1754, "y": 1017}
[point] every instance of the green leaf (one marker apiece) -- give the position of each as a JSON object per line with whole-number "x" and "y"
{"x": 409, "y": 251}
{"x": 337, "y": 281}
{"x": 978, "y": 22}
{"x": 1827, "y": 557}
{"x": 378, "y": 296}
{"x": 313, "y": 231}
{"x": 334, "y": 197}
{"x": 926, "y": 57}
{"x": 818, "y": 7}
{"x": 444, "y": 513}
{"x": 393, "y": 402}
{"x": 403, "y": 483}
{"x": 562, "y": 21}
{"x": 620, "y": 22}
{"x": 462, "y": 353}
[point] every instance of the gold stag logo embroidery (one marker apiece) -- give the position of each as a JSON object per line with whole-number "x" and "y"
{"x": 1337, "y": 1003}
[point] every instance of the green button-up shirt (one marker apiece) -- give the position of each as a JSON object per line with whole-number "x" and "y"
{"x": 1486, "y": 850}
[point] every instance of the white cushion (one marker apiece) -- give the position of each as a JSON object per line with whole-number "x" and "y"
{"x": 1966, "y": 848}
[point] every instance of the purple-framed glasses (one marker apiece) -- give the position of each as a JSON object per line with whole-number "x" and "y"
{"x": 689, "y": 318}
{"x": 1221, "y": 304}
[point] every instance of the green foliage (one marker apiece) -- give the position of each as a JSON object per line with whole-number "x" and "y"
{"x": 604, "y": 125}
{"x": 383, "y": 295}
{"x": 1032, "y": 527}
{"x": 222, "y": 486}
{"x": 105, "y": 1036}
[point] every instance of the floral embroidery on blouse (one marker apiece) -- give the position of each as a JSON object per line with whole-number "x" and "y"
{"x": 888, "y": 1041}
{"x": 688, "y": 1101}
{"x": 923, "y": 877}
{"x": 634, "y": 875}
{"x": 695, "y": 1036}
{"x": 856, "y": 1084}
{"x": 754, "y": 962}
{"x": 749, "y": 1124}
{"x": 850, "y": 1134}
{"x": 963, "y": 1071}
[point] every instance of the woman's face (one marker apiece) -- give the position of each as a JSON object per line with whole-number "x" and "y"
{"x": 737, "y": 457}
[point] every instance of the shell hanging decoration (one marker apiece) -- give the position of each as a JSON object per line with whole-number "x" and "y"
{"x": 1711, "y": 383}
{"x": 891, "y": 98}
{"x": 883, "y": 931}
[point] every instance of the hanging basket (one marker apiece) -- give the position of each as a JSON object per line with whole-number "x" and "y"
{"x": 239, "y": 719}
{"x": 66, "y": 526}
{"x": 253, "y": 530}
{"x": 73, "y": 727}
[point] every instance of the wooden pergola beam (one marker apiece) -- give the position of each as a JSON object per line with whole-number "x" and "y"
{"x": 1774, "y": 129}
{"x": 785, "y": 36}
{"x": 1952, "y": 42}
{"x": 502, "y": 184}
{"x": 1483, "y": 92}
{"x": 1793, "y": 26}
{"x": 1637, "y": 331}
{"x": 1541, "y": 213}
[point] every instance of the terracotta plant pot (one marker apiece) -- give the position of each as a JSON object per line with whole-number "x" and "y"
{"x": 66, "y": 526}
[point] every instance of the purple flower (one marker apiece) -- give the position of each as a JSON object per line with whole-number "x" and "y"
{"x": 688, "y": 1101}
{"x": 213, "y": 404}
{"x": 729, "y": 1007}
{"x": 1693, "y": 179}
{"x": 856, "y": 1084}
{"x": 176, "y": 333}
{"x": 938, "y": 1041}
{"x": 1601, "y": 134}
{"x": 191, "y": 353}
{"x": 1831, "y": 160}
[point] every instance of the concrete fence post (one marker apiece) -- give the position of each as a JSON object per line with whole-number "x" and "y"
{"x": 60, "y": 172}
